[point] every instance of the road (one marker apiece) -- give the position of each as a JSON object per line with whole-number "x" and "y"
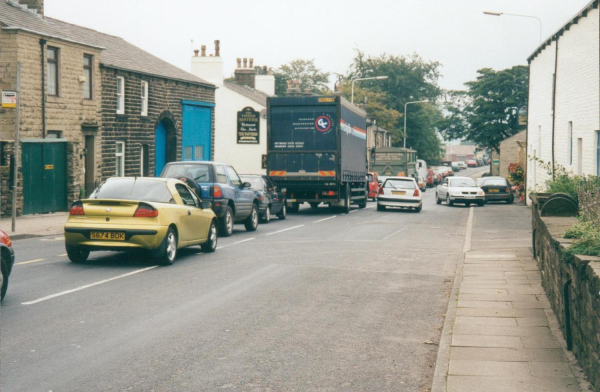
{"x": 318, "y": 302}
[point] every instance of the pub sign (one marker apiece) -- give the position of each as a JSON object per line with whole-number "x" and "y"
{"x": 248, "y": 126}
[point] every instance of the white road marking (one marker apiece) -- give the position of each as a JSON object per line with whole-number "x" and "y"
{"x": 87, "y": 286}
{"x": 53, "y": 239}
{"x": 395, "y": 232}
{"x": 323, "y": 220}
{"x": 281, "y": 231}
{"x": 467, "y": 246}
{"x": 371, "y": 206}
{"x": 30, "y": 261}
{"x": 239, "y": 242}
{"x": 63, "y": 255}
{"x": 353, "y": 211}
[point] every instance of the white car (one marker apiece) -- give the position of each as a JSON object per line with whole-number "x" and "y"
{"x": 400, "y": 192}
{"x": 459, "y": 190}
{"x": 462, "y": 165}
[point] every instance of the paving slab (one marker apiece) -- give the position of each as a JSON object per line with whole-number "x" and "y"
{"x": 550, "y": 369}
{"x": 502, "y": 330}
{"x": 503, "y": 297}
{"x": 485, "y": 304}
{"x": 532, "y": 321}
{"x": 504, "y": 384}
{"x": 486, "y": 321}
{"x": 489, "y": 368}
{"x": 508, "y": 354}
{"x": 530, "y": 305}
{"x": 540, "y": 342}
{"x": 487, "y": 312}
{"x": 467, "y": 290}
{"x": 486, "y": 341}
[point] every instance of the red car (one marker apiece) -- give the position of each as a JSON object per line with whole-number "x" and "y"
{"x": 373, "y": 181}
{"x": 432, "y": 179}
{"x": 472, "y": 163}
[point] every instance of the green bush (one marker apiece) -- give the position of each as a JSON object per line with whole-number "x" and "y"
{"x": 588, "y": 244}
{"x": 578, "y": 230}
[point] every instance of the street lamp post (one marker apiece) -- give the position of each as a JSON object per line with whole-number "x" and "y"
{"x": 405, "y": 105}
{"x": 371, "y": 78}
{"x": 520, "y": 16}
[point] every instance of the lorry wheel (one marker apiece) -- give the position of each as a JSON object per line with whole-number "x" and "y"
{"x": 346, "y": 208}
{"x": 363, "y": 204}
{"x": 314, "y": 204}
{"x": 294, "y": 207}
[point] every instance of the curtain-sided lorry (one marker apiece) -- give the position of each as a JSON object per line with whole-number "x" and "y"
{"x": 317, "y": 149}
{"x": 394, "y": 161}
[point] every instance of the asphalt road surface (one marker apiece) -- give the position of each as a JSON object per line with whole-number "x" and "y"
{"x": 318, "y": 302}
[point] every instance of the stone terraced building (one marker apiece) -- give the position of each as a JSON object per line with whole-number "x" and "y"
{"x": 92, "y": 106}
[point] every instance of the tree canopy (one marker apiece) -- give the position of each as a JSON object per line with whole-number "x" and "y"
{"x": 304, "y": 71}
{"x": 487, "y": 112}
{"x": 409, "y": 79}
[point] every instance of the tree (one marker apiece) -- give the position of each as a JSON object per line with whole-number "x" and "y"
{"x": 488, "y": 111}
{"x": 304, "y": 71}
{"x": 409, "y": 79}
{"x": 375, "y": 106}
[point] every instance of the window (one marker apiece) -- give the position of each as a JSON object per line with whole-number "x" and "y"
{"x": 221, "y": 177}
{"x": 570, "y": 142}
{"x": 120, "y": 95}
{"x": 120, "y": 159}
{"x": 200, "y": 172}
{"x": 133, "y": 189}
{"x": 579, "y": 156}
{"x": 187, "y": 153}
{"x": 88, "y": 61}
{"x": 233, "y": 177}
{"x": 186, "y": 195}
{"x": 144, "y": 96}
{"x": 52, "y": 71}
{"x": 54, "y": 134}
{"x": 198, "y": 152}
{"x": 144, "y": 161}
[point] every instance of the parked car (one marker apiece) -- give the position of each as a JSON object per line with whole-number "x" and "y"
{"x": 161, "y": 215}
{"x": 496, "y": 189}
{"x": 373, "y": 184}
{"x": 221, "y": 185}
{"x": 480, "y": 162}
{"x": 472, "y": 163}
{"x": 462, "y": 165}
{"x": 455, "y": 167}
{"x": 400, "y": 192}
{"x": 432, "y": 178}
{"x": 7, "y": 260}
{"x": 459, "y": 190}
{"x": 271, "y": 198}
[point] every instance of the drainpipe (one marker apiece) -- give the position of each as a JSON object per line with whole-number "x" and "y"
{"x": 43, "y": 47}
{"x": 525, "y": 187}
{"x": 567, "y": 302}
{"x": 554, "y": 102}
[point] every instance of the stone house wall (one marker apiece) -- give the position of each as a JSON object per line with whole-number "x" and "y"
{"x": 583, "y": 290}
{"x": 164, "y": 103}
{"x": 66, "y": 112}
{"x": 509, "y": 152}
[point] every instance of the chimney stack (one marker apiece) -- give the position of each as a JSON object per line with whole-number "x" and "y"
{"x": 293, "y": 88}
{"x": 196, "y": 52}
{"x": 217, "y": 48}
{"x": 307, "y": 92}
{"x": 244, "y": 75}
{"x": 209, "y": 68}
{"x": 36, "y": 6}
{"x": 265, "y": 82}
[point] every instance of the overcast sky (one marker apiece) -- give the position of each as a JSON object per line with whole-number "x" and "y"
{"x": 274, "y": 32}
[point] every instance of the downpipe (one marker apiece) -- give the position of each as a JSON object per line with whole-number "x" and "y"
{"x": 566, "y": 299}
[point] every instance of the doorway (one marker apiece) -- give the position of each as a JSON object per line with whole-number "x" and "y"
{"x": 90, "y": 183}
{"x": 44, "y": 168}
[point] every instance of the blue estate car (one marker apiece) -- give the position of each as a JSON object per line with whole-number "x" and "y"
{"x": 232, "y": 200}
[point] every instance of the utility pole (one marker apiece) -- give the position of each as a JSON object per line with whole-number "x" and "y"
{"x": 16, "y": 151}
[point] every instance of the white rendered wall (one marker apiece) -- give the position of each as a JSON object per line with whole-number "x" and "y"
{"x": 265, "y": 83}
{"x": 245, "y": 158}
{"x": 578, "y": 92}
{"x": 208, "y": 68}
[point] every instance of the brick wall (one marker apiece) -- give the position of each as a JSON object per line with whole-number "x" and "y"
{"x": 164, "y": 101}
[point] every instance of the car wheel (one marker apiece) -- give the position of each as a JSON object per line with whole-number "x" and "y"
{"x": 3, "y": 277}
{"x": 481, "y": 203}
{"x": 448, "y": 201}
{"x": 77, "y": 255}
{"x": 251, "y": 222}
{"x": 313, "y": 205}
{"x": 226, "y": 225}
{"x": 511, "y": 200}
{"x": 266, "y": 218}
{"x": 437, "y": 199}
{"x": 419, "y": 208}
{"x": 211, "y": 242}
{"x": 380, "y": 208}
{"x": 168, "y": 249}
{"x": 283, "y": 214}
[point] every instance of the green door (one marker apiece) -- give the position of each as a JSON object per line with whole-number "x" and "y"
{"x": 44, "y": 177}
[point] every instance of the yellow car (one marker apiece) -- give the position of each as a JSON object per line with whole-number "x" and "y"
{"x": 127, "y": 213}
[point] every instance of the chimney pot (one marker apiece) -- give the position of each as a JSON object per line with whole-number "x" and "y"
{"x": 239, "y": 62}
{"x": 265, "y": 69}
{"x": 217, "y": 48}
{"x": 196, "y": 52}
{"x": 203, "y": 47}
{"x": 245, "y": 62}
{"x": 251, "y": 63}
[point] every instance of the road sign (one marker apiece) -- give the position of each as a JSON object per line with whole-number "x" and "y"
{"x": 9, "y": 99}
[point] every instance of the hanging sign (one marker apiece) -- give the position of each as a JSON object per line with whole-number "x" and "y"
{"x": 9, "y": 99}
{"x": 523, "y": 115}
{"x": 248, "y": 126}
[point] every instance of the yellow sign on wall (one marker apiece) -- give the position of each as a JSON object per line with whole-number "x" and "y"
{"x": 9, "y": 99}
{"x": 49, "y": 167}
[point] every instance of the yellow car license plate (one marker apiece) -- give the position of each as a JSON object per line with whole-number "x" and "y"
{"x": 493, "y": 190}
{"x": 107, "y": 236}
{"x": 399, "y": 193}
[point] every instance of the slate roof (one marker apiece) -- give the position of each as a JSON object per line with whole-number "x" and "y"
{"x": 117, "y": 53}
{"x": 250, "y": 93}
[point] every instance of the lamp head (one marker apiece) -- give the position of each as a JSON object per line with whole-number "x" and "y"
{"x": 492, "y": 13}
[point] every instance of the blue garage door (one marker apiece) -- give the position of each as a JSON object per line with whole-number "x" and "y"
{"x": 196, "y": 138}
{"x": 160, "y": 148}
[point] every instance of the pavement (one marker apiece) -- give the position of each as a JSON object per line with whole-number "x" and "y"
{"x": 500, "y": 333}
{"x": 37, "y": 225}
{"x": 321, "y": 301}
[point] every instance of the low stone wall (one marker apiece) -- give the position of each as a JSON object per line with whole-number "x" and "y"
{"x": 573, "y": 289}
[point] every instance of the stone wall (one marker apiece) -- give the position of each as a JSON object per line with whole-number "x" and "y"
{"x": 164, "y": 103}
{"x": 583, "y": 291}
{"x": 509, "y": 152}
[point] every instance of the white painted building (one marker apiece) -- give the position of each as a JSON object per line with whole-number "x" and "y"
{"x": 247, "y": 91}
{"x": 564, "y": 100}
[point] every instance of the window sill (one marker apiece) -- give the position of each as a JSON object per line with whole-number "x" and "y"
{"x": 88, "y": 102}
{"x": 54, "y": 99}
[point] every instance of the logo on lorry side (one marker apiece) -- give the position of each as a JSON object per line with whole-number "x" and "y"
{"x": 323, "y": 124}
